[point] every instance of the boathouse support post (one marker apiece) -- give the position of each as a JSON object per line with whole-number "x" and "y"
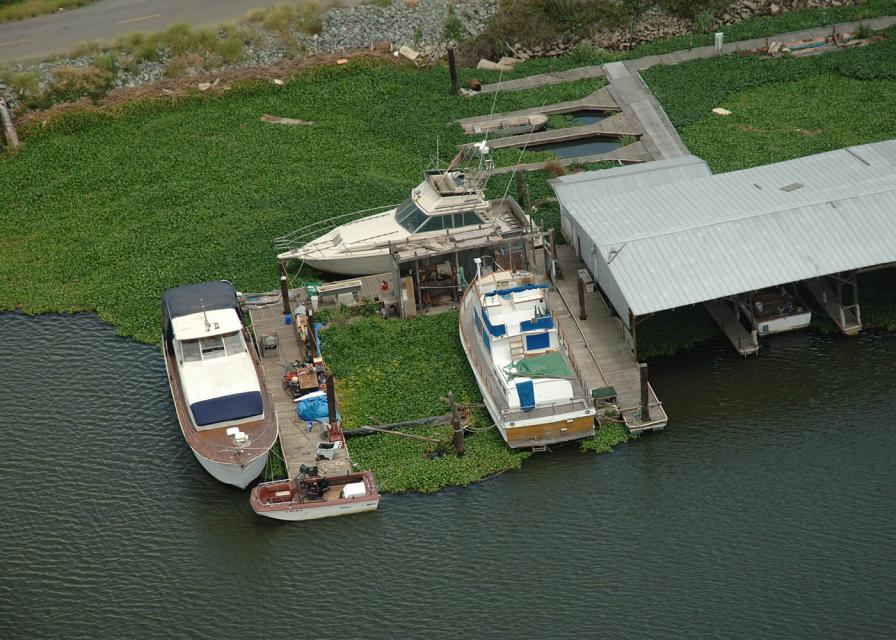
{"x": 452, "y": 71}
{"x": 581, "y": 286}
{"x": 558, "y": 272}
{"x": 458, "y": 431}
{"x": 645, "y": 393}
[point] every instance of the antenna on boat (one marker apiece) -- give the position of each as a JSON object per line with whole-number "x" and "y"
{"x": 208, "y": 325}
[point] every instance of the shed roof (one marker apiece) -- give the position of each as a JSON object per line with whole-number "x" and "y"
{"x": 589, "y": 185}
{"x": 699, "y": 239}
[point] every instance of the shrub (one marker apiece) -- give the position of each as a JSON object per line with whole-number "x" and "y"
{"x": 279, "y": 18}
{"x": 71, "y": 83}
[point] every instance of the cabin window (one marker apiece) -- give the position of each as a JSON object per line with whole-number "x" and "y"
{"x": 227, "y": 344}
{"x": 466, "y": 219}
{"x": 190, "y": 351}
{"x": 409, "y": 216}
{"x": 436, "y": 223}
{"x": 212, "y": 347}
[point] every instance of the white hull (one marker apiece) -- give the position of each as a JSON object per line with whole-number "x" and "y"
{"x": 234, "y": 474}
{"x": 365, "y": 265}
{"x": 784, "y": 323}
{"x": 326, "y": 511}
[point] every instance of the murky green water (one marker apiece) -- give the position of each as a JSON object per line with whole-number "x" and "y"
{"x": 767, "y": 510}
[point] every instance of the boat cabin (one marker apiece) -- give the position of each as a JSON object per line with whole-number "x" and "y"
{"x": 517, "y": 330}
{"x": 444, "y": 200}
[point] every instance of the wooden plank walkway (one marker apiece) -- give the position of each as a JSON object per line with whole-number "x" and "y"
{"x": 299, "y": 445}
{"x": 640, "y": 105}
{"x": 544, "y": 79}
{"x": 744, "y": 342}
{"x": 634, "y": 152}
{"x": 601, "y": 352}
{"x": 614, "y": 126}
{"x": 600, "y": 100}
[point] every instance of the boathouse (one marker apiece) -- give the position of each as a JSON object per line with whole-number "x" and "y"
{"x": 667, "y": 234}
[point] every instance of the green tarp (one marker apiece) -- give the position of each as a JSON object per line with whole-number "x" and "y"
{"x": 550, "y": 365}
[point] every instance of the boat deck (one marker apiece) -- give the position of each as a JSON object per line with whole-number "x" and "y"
{"x": 601, "y": 353}
{"x": 299, "y": 445}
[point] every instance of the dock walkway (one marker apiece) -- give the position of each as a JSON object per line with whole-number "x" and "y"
{"x": 299, "y": 445}
{"x": 599, "y": 349}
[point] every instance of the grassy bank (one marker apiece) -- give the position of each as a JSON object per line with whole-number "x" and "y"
{"x": 12, "y": 10}
{"x": 782, "y": 108}
{"x": 103, "y": 212}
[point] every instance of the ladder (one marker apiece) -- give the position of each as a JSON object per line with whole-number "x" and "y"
{"x": 517, "y": 350}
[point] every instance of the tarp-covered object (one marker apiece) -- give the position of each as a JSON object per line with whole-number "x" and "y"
{"x": 549, "y": 365}
{"x": 313, "y": 407}
{"x": 526, "y": 391}
{"x": 194, "y": 298}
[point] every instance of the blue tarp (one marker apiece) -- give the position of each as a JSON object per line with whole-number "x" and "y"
{"x": 227, "y": 408}
{"x": 313, "y": 408}
{"x": 526, "y": 391}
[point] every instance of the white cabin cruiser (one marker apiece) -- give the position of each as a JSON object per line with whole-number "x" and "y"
{"x": 225, "y": 411}
{"x": 445, "y": 202}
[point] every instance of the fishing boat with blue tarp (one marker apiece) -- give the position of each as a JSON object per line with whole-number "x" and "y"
{"x": 521, "y": 361}
{"x": 224, "y": 409}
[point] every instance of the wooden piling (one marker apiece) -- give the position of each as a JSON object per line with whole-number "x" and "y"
{"x": 452, "y": 70}
{"x": 521, "y": 192}
{"x": 312, "y": 335}
{"x": 334, "y": 430}
{"x": 458, "y": 434}
{"x": 284, "y": 293}
{"x": 9, "y": 128}
{"x": 645, "y": 393}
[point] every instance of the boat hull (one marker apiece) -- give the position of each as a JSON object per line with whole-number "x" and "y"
{"x": 234, "y": 474}
{"x": 316, "y": 512}
{"x": 784, "y": 323}
{"x": 365, "y": 265}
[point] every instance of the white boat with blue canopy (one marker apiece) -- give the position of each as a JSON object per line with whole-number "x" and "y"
{"x": 522, "y": 363}
{"x": 225, "y": 411}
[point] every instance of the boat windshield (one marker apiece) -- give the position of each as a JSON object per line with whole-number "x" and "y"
{"x": 226, "y": 344}
{"x": 450, "y": 221}
{"x": 409, "y": 216}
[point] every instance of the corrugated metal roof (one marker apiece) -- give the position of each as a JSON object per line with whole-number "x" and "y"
{"x": 705, "y": 238}
{"x": 589, "y": 185}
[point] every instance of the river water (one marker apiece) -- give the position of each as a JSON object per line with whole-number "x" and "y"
{"x": 767, "y": 510}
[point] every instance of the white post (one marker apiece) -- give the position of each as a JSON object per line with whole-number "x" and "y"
{"x": 720, "y": 39}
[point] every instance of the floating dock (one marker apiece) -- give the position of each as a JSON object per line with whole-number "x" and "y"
{"x": 299, "y": 445}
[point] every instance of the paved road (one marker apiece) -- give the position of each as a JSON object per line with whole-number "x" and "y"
{"x": 108, "y": 19}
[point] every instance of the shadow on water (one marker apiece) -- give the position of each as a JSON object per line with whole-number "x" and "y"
{"x": 766, "y": 510}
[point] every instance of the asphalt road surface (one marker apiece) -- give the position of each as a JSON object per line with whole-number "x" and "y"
{"x": 108, "y": 19}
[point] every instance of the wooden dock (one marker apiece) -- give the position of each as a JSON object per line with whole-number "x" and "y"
{"x": 299, "y": 445}
{"x": 600, "y": 351}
